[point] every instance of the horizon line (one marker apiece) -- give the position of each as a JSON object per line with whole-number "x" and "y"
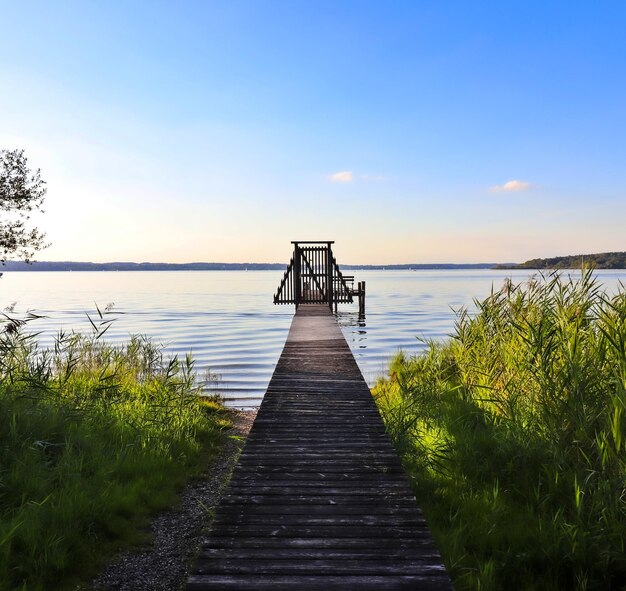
{"x": 273, "y": 263}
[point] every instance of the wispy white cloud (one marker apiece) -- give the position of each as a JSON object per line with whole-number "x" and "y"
{"x": 511, "y": 186}
{"x": 345, "y": 176}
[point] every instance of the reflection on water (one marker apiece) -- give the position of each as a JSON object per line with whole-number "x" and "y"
{"x": 228, "y": 321}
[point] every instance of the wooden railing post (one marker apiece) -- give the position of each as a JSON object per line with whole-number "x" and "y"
{"x": 329, "y": 276}
{"x": 296, "y": 270}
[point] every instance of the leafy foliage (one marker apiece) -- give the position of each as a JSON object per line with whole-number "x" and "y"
{"x": 22, "y": 191}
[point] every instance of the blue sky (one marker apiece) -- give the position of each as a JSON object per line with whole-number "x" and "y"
{"x": 405, "y": 131}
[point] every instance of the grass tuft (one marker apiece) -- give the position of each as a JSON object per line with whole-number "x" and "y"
{"x": 93, "y": 438}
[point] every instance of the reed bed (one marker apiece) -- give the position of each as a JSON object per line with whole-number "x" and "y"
{"x": 93, "y": 438}
{"x": 513, "y": 433}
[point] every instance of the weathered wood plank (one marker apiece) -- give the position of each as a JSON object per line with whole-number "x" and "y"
{"x": 316, "y": 554}
{"x": 295, "y": 566}
{"x": 319, "y": 468}
{"x": 318, "y": 582}
{"x": 311, "y": 520}
{"x": 318, "y": 499}
{"x": 318, "y": 510}
{"x": 414, "y": 543}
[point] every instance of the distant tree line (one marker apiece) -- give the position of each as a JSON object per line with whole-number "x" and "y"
{"x": 603, "y": 260}
{"x": 127, "y": 266}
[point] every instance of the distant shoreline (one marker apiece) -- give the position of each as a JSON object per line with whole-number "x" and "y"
{"x": 608, "y": 261}
{"x": 13, "y": 266}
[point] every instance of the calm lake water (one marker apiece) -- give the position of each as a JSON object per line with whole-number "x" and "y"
{"x": 229, "y": 323}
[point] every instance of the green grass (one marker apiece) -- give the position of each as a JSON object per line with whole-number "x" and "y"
{"x": 513, "y": 434}
{"x": 93, "y": 439}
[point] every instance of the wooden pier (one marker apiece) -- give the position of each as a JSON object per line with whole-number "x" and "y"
{"x": 318, "y": 499}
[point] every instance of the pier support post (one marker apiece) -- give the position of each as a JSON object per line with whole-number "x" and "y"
{"x": 361, "y": 298}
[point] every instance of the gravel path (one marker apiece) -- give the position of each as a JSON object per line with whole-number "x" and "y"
{"x": 164, "y": 565}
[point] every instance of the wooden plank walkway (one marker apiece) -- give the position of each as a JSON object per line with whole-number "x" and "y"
{"x": 318, "y": 499}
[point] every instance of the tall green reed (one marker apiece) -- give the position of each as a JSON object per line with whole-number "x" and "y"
{"x": 514, "y": 432}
